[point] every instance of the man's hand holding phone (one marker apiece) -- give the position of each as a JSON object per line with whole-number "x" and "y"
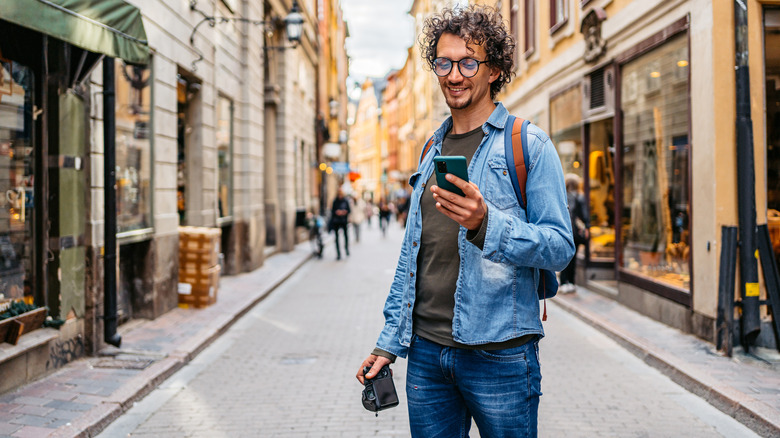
{"x": 468, "y": 210}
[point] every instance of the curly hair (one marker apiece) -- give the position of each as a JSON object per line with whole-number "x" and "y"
{"x": 476, "y": 24}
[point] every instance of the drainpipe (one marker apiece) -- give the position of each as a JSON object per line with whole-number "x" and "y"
{"x": 109, "y": 172}
{"x": 750, "y": 323}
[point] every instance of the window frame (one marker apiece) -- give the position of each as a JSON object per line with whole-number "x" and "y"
{"x": 668, "y": 291}
{"x": 228, "y": 217}
{"x": 145, "y": 233}
{"x": 529, "y": 28}
{"x": 554, "y": 23}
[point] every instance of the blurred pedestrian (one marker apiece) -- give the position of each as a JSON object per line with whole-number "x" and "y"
{"x": 339, "y": 219}
{"x": 369, "y": 211}
{"x": 384, "y": 215}
{"x": 357, "y": 215}
{"x": 463, "y": 305}
{"x": 578, "y": 213}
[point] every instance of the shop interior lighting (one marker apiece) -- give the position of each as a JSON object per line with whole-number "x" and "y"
{"x": 682, "y": 63}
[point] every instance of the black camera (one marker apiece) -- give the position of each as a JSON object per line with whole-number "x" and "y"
{"x": 442, "y": 166}
{"x": 379, "y": 393}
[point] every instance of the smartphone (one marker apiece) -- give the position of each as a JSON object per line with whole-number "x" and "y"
{"x": 455, "y": 165}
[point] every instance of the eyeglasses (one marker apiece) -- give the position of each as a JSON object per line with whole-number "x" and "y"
{"x": 468, "y": 67}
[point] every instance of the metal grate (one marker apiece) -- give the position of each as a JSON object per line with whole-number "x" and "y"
{"x": 597, "y": 99}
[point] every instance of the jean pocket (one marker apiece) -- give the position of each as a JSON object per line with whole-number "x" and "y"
{"x": 515, "y": 354}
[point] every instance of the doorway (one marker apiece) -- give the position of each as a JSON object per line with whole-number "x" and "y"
{"x": 772, "y": 105}
{"x": 600, "y": 190}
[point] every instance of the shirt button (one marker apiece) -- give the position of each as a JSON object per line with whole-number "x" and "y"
{"x": 411, "y": 274}
{"x": 423, "y": 186}
{"x": 414, "y": 243}
{"x": 409, "y": 305}
{"x": 505, "y": 172}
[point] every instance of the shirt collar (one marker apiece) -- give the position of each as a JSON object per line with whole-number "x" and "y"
{"x": 497, "y": 119}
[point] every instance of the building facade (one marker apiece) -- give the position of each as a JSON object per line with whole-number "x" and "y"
{"x": 639, "y": 98}
{"x": 208, "y": 125}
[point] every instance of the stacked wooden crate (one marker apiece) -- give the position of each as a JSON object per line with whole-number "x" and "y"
{"x": 198, "y": 265}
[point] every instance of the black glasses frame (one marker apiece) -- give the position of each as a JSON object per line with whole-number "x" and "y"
{"x": 452, "y": 63}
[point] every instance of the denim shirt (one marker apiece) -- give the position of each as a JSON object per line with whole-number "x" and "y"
{"x": 495, "y": 294}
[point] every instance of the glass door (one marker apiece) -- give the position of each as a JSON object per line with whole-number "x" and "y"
{"x": 600, "y": 185}
{"x": 16, "y": 181}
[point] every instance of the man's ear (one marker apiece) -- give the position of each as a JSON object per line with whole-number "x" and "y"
{"x": 495, "y": 73}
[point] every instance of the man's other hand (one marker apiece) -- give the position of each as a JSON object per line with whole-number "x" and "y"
{"x": 376, "y": 363}
{"x": 468, "y": 210}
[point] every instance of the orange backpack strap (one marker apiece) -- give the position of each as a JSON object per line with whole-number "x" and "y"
{"x": 427, "y": 147}
{"x": 519, "y": 156}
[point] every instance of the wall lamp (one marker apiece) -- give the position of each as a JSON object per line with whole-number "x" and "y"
{"x": 293, "y": 24}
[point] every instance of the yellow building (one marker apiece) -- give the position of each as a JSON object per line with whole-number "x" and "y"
{"x": 332, "y": 103}
{"x": 639, "y": 97}
{"x": 365, "y": 144}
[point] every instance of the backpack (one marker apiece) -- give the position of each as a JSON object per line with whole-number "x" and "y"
{"x": 516, "y": 153}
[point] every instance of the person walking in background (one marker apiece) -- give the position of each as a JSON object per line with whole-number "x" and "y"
{"x": 578, "y": 212}
{"x": 358, "y": 215}
{"x": 384, "y": 215}
{"x": 463, "y": 305}
{"x": 369, "y": 211}
{"x": 339, "y": 219}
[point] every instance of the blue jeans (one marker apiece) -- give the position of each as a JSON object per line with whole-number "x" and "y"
{"x": 446, "y": 387}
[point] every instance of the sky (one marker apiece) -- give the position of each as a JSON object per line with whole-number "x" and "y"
{"x": 380, "y": 31}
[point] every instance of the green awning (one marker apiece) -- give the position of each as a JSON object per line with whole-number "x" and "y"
{"x": 109, "y": 27}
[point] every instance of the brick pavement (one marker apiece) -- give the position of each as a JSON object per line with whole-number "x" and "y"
{"x": 287, "y": 370}
{"x": 739, "y": 386}
{"x": 82, "y": 398}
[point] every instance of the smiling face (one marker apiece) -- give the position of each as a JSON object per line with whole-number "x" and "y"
{"x": 462, "y": 93}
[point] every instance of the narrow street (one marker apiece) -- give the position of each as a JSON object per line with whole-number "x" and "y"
{"x": 286, "y": 369}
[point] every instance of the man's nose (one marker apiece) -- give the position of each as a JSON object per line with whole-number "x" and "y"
{"x": 455, "y": 75}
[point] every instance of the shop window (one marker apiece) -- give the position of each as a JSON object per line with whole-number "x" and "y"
{"x": 772, "y": 75}
{"x": 225, "y": 156}
{"x": 565, "y": 128}
{"x": 601, "y": 190}
{"x": 529, "y": 21}
{"x": 16, "y": 180}
{"x": 655, "y": 229}
{"x": 133, "y": 147}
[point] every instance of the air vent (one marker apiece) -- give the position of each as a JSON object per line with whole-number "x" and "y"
{"x": 598, "y": 94}
{"x": 597, "y": 89}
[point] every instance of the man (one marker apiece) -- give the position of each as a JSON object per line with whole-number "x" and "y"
{"x": 339, "y": 219}
{"x": 463, "y": 303}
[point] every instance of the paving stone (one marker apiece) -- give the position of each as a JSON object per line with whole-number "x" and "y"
{"x": 68, "y": 406}
{"x": 31, "y": 420}
{"x": 9, "y": 428}
{"x": 32, "y": 410}
{"x": 32, "y": 432}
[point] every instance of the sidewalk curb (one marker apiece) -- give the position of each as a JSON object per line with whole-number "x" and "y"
{"x": 141, "y": 385}
{"x": 760, "y": 418}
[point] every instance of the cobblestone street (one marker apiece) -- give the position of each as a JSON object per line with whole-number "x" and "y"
{"x": 287, "y": 369}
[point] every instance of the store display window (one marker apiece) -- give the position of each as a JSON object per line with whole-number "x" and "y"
{"x": 655, "y": 228}
{"x": 772, "y": 105}
{"x": 225, "y": 156}
{"x": 16, "y": 180}
{"x": 133, "y": 147}
{"x": 601, "y": 190}
{"x": 565, "y": 128}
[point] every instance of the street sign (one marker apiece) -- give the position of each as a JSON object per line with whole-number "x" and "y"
{"x": 340, "y": 167}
